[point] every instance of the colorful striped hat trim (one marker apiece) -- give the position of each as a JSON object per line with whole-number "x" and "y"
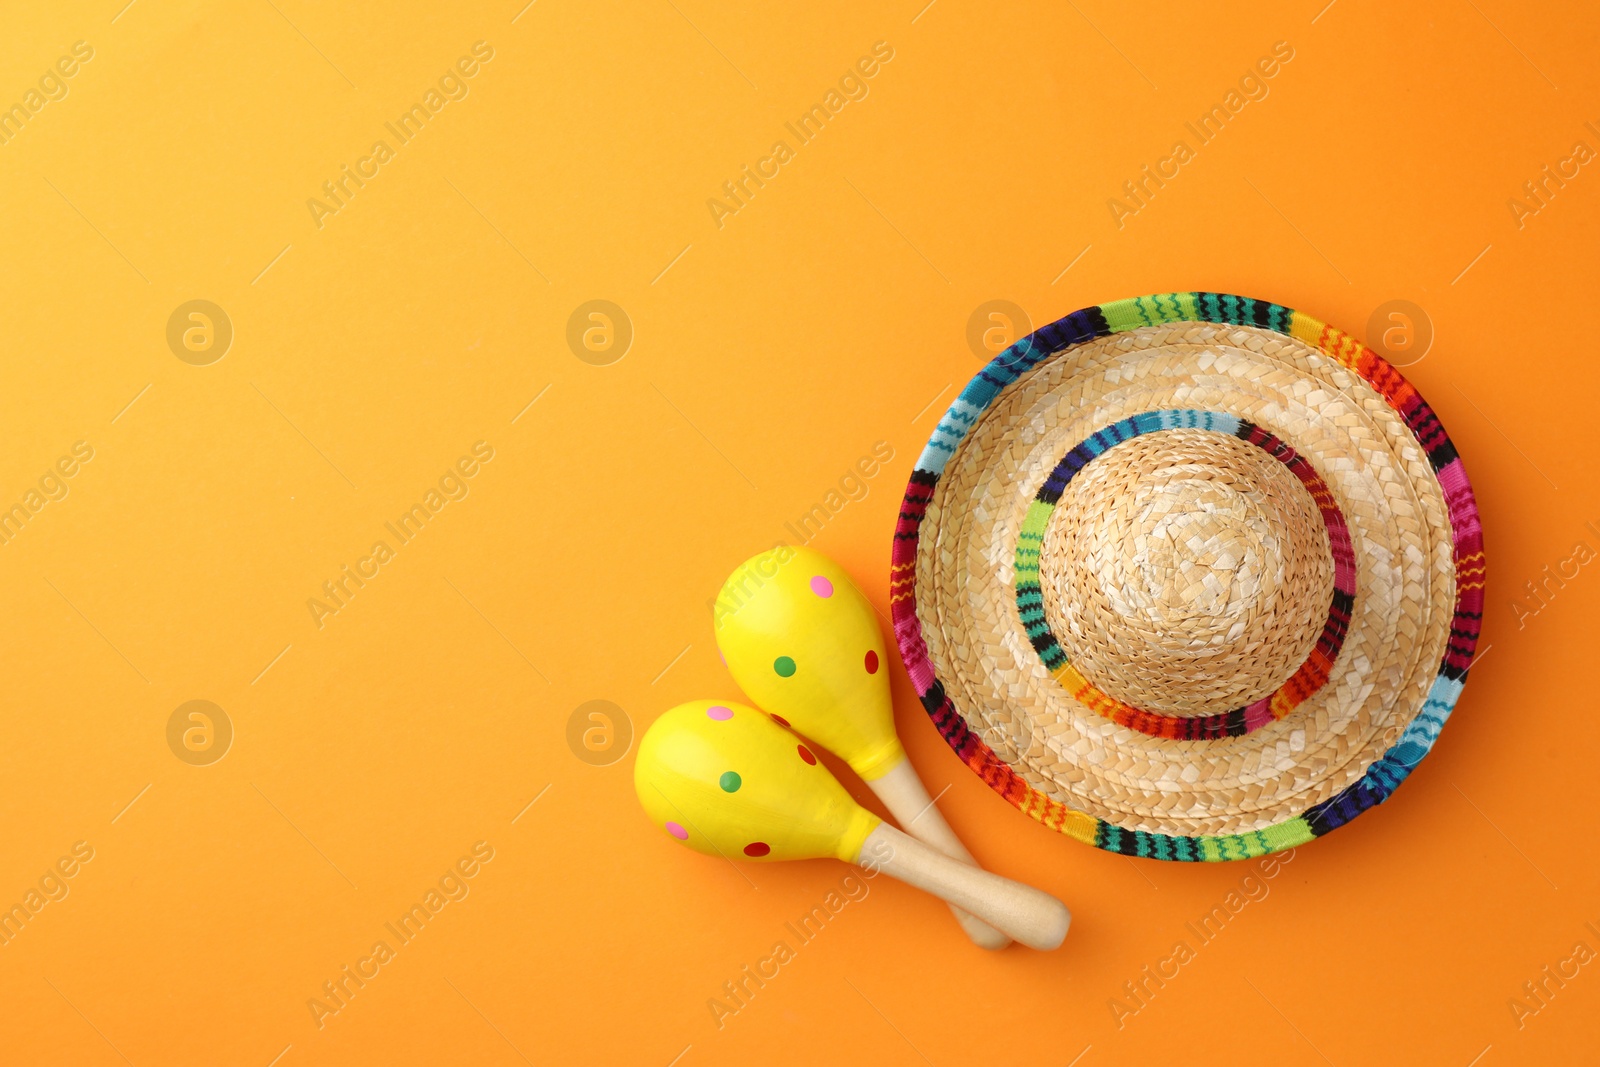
{"x": 1307, "y": 679}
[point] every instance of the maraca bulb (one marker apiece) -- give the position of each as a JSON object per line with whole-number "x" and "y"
{"x": 803, "y": 642}
{"x": 726, "y": 780}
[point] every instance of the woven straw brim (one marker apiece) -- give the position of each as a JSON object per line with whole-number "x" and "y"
{"x": 1186, "y": 572}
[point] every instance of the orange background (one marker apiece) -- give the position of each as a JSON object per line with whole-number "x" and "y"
{"x": 769, "y": 354}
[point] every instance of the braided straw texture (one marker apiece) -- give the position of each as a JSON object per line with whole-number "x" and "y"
{"x": 1187, "y": 572}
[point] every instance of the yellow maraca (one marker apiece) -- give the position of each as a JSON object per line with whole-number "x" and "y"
{"x": 726, "y": 780}
{"x": 802, "y": 642}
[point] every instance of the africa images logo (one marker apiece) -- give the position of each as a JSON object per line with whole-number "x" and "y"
{"x": 452, "y": 85}
{"x": 737, "y": 192}
{"x": 452, "y": 887}
{"x": 454, "y": 484}
{"x": 52, "y": 86}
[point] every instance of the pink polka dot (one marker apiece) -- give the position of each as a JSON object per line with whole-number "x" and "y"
{"x": 719, "y": 713}
{"x": 821, "y": 586}
{"x": 872, "y": 662}
{"x": 677, "y": 831}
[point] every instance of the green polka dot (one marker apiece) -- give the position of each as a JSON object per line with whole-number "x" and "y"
{"x": 730, "y": 781}
{"x": 784, "y": 666}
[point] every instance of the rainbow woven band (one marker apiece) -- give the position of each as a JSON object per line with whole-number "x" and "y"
{"x": 1386, "y": 773}
{"x": 1306, "y": 679}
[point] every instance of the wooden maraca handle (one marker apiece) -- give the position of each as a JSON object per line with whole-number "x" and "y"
{"x": 1034, "y": 918}
{"x": 903, "y": 793}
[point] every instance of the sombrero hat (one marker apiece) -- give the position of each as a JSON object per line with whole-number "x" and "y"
{"x": 1189, "y": 576}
